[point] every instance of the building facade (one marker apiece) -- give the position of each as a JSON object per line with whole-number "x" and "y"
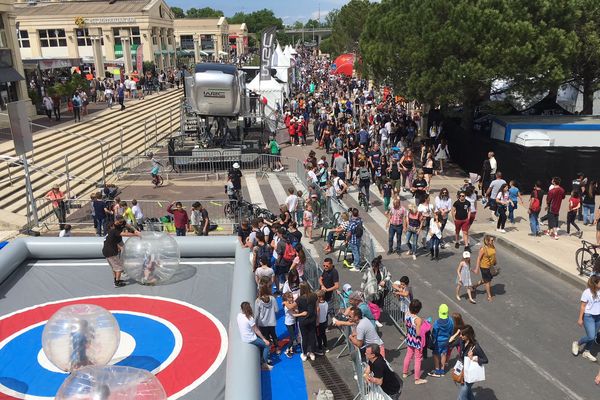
{"x": 238, "y": 38}
{"x": 12, "y": 84}
{"x": 203, "y": 37}
{"x": 97, "y": 32}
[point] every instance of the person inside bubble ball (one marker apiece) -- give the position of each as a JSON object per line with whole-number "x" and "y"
{"x": 81, "y": 338}
{"x": 149, "y": 267}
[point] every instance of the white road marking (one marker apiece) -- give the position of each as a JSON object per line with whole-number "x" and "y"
{"x": 254, "y": 190}
{"x": 281, "y": 195}
{"x": 520, "y": 355}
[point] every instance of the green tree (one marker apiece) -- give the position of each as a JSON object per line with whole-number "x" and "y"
{"x": 206, "y": 12}
{"x": 312, "y": 23}
{"x": 330, "y": 17}
{"x": 451, "y": 52}
{"x": 348, "y": 24}
{"x": 178, "y": 12}
{"x": 585, "y": 65}
{"x": 256, "y": 21}
{"x": 298, "y": 25}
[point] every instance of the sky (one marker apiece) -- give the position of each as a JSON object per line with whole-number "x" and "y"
{"x": 288, "y": 11}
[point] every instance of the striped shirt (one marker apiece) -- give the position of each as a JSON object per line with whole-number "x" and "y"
{"x": 397, "y": 215}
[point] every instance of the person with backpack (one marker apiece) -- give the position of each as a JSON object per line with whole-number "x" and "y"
{"x": 441, "y": 332}
{"x": 262, "y": 249}
{"x": 364, "y": 179}
{"x": 354, "y": 237}
{"x": 535, "y": 206}
{"x": 285, "y": 256}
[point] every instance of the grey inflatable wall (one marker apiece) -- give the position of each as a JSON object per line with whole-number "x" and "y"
{"x": 242, "y": 369}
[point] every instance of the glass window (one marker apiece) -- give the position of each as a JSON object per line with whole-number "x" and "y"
{"x": 134, "y": 35}
{"x": 187, "y": 42}
{"x": 83, "y": 37}
{"x": 5, "y": 58}
{"x": 23, "y": 37}
{"x": 53, "y": 38}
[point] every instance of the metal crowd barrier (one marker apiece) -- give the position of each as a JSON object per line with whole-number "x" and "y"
{"x": 395, "y": 310}
{"x": 79, "y": 212}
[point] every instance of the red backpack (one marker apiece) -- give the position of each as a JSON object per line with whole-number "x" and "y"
{"x": 535, "y": 205}
{"x": 289, "y": 253}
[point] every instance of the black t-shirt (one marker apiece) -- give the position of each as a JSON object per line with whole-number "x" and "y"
{"x": 391, "y": 384}
{"x": 112, "y": 241}
{"x": 294, "y": 237}
{"x": 375, "y": 157}
{"x": 462, "y": 209}
{"x": 329, "y": 279}
{"x": 308, "y": 304}
{"x": 204, "y": 214}
{"x": 420, "y": 194}
{"x": 236, "y": 178}
{"x": 244, "y": 233}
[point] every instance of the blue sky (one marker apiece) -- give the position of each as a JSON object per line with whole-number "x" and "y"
{"x": 289, "y": 11}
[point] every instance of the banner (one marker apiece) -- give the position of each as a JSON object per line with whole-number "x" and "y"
{"x": 139, "y": 60}
{"x": 267, "y": 47}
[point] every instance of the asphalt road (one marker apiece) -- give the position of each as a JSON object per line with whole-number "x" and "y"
{"x": 526, "y": 331}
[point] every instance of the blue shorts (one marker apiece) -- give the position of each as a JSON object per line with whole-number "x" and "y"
{"x": 441, "y": 348}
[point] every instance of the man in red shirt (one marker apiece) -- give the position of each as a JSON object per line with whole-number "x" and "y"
{"x": 180, "y": 217}
{"x": 554, "y": 200}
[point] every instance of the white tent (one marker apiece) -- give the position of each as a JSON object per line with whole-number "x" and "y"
{"x": 271, "y": 90}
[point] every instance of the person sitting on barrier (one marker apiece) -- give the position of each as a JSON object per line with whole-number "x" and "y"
{"x": 339, "y": 233}
{"x": 250, "y": 333}
{"x": 379, "y": 373}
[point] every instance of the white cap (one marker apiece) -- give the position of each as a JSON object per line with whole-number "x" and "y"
{"x": 236, "y": 165}
{"x": 466, "y": 254}
{"x": 346, "y": 287}
{"x": 321, "y": 162}
{"x": 397, "y": 282}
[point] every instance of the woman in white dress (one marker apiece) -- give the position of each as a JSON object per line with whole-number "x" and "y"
{"x": 442, "y": 153}
{"x": 464, "y": 277}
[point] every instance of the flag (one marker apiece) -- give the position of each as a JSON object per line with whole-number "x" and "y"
{"x": 267, "y": 47}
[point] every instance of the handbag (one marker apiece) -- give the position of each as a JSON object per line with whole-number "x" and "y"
{"x": 473, "y": 372}
{"x": 458, "y": 373}
{"x": 495, "y": 271}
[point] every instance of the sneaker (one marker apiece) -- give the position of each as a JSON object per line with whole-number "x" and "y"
{"x": 420, "y": 381}
{"x": 289, "y": 354}
{"x": 575, "y": 348}
{"x": 587, "y": 355}
{"x": 312, "y": 356}
{"x": 404, "y": 376}
{"x": 414, "y": 257}
{"x": 555, "y": 237}
{"x": 378, "y": 324}
{"x": 579, "y": 234}
{"x": 500, "y": 230}
{"x": 119, "y": 284}
{"x": 353, "y": 269}
{"x": 389, "y": 252}
{"x": 347, "y": 264}
{"x": 443, "y": 245}
{"x": 303, "y": 357}
{"x": 456, "y": 245}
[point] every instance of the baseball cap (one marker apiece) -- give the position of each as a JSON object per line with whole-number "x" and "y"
{"x": 466, "y": 254}
{"x": 321, "y": 162}
{"x": 397, "y": 282}
{"x": 443, "y": 311}
{"x": 346, "y": 287}
{"x": 236, "y": 165}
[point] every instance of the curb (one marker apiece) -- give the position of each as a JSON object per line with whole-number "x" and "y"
{"x": 543, "y": 264}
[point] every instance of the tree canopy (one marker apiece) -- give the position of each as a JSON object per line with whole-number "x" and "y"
{"x": 178, "y": 12}
{"x": 206, "y": 12}
{"x": 256, "y": 21}
{"x": 450, "y": 52}
{"x": 347, "y": 25}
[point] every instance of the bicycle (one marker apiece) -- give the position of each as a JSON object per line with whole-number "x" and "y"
{"x": 586, "y": 257}
{"x": 362, "y": 199}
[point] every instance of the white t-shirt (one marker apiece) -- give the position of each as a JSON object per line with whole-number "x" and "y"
{"x": 245, "y": 325}
{"x": 425, "y": 209}
{"x": 473, "y": 200}
{"x": 323, "y": 309}
{"x": 64, "y": 233}
{"x": 137, "y": 212}
{"x": 313, "y": 177}
{"x": 443, "y": 204}
{"x": 493, "y": 165}
{"x": 289, "y": 318}
{"x": 291, "y": 202}
{"x": 592, "y": 305}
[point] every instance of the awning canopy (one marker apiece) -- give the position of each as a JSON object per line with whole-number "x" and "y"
{"x": 9, "y": 74}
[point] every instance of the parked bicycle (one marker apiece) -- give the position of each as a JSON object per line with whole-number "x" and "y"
{"x": 586, "y": 257}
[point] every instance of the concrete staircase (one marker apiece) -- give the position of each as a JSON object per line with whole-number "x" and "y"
{"x": 143, "y": 124}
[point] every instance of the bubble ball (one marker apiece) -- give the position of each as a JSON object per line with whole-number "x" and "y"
{"x": 112, "y": 382}
{"x": 152, "y": 258}
{"x": 80, "y": 335}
